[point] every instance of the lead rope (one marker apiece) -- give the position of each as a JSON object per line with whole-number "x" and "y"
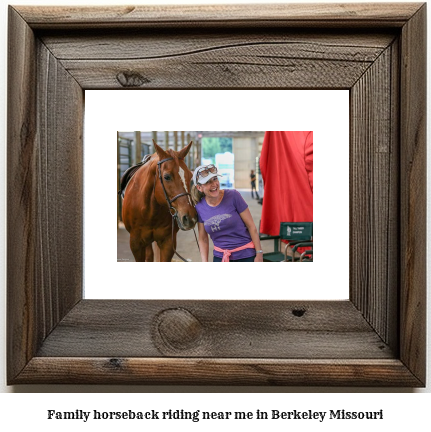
{"x": 169, "y": 202}
{"x": 173, "y": 247}
{"x": 194, "y": 232}
{"x": 174, "y": 216}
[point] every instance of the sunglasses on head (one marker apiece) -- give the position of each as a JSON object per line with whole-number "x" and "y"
{"x": 206, "y": 171}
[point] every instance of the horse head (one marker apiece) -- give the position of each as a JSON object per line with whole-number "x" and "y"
{"x": 173, "y": 185}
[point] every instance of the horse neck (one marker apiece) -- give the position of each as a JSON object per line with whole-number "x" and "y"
{"x": 146, "y": 179}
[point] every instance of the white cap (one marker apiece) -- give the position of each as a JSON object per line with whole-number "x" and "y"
{"x": 203, "y": 180}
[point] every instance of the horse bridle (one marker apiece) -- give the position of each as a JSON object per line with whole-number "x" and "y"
{"x": 172, "y": 210}
{"x": 169, "y": 201}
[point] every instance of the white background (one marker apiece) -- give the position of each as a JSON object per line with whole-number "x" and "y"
{"x": 327, "y": 278}
{"x": 403, "y": 410}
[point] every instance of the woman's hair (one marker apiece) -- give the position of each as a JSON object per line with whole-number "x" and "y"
{"x": 196, "y": 195}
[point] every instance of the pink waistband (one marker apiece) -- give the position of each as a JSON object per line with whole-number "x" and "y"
{"x": 227, "y": 253}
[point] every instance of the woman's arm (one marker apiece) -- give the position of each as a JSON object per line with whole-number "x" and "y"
{"x": 203, "y": 242}
{"x": 249, "y": 223}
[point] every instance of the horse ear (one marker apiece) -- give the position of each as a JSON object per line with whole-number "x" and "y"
{"x": 160, "y": 152}
{"x": 183, "y": 152}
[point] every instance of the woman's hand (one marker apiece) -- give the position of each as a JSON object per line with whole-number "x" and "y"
{"x": 249, "y": 223}
{"x": 259, "y": 257}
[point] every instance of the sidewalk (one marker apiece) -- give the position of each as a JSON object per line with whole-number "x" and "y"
{"x": 186, "y": 241}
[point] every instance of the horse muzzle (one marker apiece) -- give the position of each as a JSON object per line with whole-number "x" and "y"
{"x": 186, "y": 222}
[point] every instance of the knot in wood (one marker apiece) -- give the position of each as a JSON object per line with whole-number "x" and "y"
{"x": 178, "y": 329}
{"x": 298, "y": 312}
{"x": 131, "y": 79}
{"x": 115, "y": 363}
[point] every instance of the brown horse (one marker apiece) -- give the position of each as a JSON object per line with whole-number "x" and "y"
{"x": 158, "y": 192}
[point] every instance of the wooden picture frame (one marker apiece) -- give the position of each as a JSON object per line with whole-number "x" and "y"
{"x": 376, "y": 338}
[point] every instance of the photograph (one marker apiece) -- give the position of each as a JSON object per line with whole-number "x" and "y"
{"x": 234, "y": 189}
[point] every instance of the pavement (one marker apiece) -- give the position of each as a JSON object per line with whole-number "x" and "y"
{"x": 186, "y": 241}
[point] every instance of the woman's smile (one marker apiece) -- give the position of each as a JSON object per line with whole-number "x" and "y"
{"x": 213, "y": 192}
{"x": 214, "y": 188}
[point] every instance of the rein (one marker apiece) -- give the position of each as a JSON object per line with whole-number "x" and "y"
{"x": 172, "y": 210}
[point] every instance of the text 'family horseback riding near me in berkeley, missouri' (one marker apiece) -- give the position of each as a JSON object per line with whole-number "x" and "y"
{"x": 195, "y": 416}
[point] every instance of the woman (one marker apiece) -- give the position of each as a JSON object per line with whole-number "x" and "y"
{"x": 226, "y": 218}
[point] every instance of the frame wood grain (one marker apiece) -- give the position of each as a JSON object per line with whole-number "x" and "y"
{"x": 376, "y": 338}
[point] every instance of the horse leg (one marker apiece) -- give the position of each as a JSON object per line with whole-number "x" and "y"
{"x": 166, "y": 250}
{"x": 137, "y": 247}
{"x": 156, "y": 250}
{"x": 149, "y": 254}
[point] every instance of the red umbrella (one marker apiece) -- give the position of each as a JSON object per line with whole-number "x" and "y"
{"x": 286, "y": 163}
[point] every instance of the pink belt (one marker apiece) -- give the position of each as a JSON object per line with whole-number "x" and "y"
{"x": 227, "y": 253}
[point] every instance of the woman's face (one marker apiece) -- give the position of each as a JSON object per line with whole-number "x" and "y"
{"x": 211, "y": 188}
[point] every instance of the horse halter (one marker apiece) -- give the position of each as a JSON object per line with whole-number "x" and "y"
{"x": 171, "y": 207}
{"x": 169, "y": 201}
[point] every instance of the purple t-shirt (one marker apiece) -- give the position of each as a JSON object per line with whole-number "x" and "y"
{"x": 224, "y": 224}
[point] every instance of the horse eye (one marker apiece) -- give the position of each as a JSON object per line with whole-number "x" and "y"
{"x": 167, "y": 177}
